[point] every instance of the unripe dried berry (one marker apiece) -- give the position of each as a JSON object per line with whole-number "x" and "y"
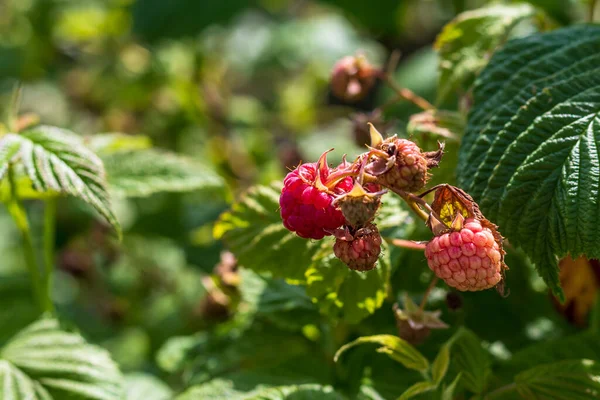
{"x": 352, "y": 78}
{"x": 467, "y": 259}
{"x": 361, "y": 250}
{"x": 360, "y": 205}
{"x": 399, "y": 164}
{"x": 409, "y": 172}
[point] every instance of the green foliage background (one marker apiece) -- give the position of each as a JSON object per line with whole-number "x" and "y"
{"x": 177, "y": 117}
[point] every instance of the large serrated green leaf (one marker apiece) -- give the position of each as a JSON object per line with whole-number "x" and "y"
{"x": 530, "y": 152}
{"x": 465, "y": 43}
{"x": 62, "y": 363}
{"x": 141, "y": 173}
{"x": 565, "y": 380}
{"x": 56, "y": 160}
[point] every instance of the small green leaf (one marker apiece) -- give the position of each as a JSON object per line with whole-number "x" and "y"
{"x": 297, "y": 392}
{"x": 565, "y": 380}
{"x": 465, "y": 43}
{"x": 469, "y": 358}
{"x": 56, "y": 160}
{"x": 530, "y": 152}
{"x": 107, "y": 143}
{"x": 15, "y": 385}
{"x": 253, "y": 224}
{"x": 10, "y": 144}
{"x": 397, "y": 348}
{"x": 62, "y": 363}
{"x": 440, "y": 364}
{"x": 416, "y": 389}
{"x": 141, "y": 173}
{"x": 139, "y": 386}
{"x": 448, "y": 392}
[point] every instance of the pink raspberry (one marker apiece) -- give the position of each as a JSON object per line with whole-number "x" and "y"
{"x": 361, "y": 250}
{"x": 306, "y": 204}
{"x": 468, "y": 259}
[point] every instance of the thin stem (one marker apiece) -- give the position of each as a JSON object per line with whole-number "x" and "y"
{"x": 426, "y": 295}
{"x": 414, "y": 202}
{"x": 406, "y": 244}
{"x": 591, "y": 10}
{"x": 501, "y": 390}
{"x": 49, "y": 259}
{"x": 19, "y": 215}
{"x": 407, "y": 94}
{"x": 13, "y": 108}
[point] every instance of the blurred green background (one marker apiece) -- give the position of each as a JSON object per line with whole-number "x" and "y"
{"x": 242, "y": 87}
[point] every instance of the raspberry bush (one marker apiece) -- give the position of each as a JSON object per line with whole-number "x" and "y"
{"x": 293, "y": 200}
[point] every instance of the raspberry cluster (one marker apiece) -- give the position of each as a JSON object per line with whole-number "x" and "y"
{"x": 469, "y": 259}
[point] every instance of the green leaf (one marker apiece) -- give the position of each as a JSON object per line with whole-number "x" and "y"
{"x": 395, "y": 347}
{"x": 529, "y": 155}
{"x": 288, "y": 306}
{"x": 107, "y": 143}
{"x": 416, "y": 389}
{"x": 565, "y": 380}
{"x": 440, "y": 364}
{"x": 465, "y": 43}
{"x": 220, "y": 389}
{"x": 15, "y": 385}
{"x": 471, "y": 360}
{"x": 253, "y": 225}
{"x": 297, "y": 392}
{"x": 139, "y": 386}
{"x": 10, "y": 144}
{"x": 448, "y": 392}
{"x": 216, "y": 389}
{"x": 62, "y": 363}
{"x": 56, "y": 160}
{"x": 582, "y": 345}
{"x": 343, "y": 293}
{"x": 141, "y": 173}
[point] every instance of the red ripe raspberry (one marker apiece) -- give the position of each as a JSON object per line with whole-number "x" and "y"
{"x": 306, "y": 205}
{"x": 409, "y": 172}
{"x": 361, "y": 250}
{"x": 468, "y": 259}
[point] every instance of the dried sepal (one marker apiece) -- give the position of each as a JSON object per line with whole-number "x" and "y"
{"x": 414, "y": 325}
{"x": 434, "y": 158}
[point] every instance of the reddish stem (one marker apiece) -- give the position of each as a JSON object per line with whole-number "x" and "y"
{"x": 407, "y": 244}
